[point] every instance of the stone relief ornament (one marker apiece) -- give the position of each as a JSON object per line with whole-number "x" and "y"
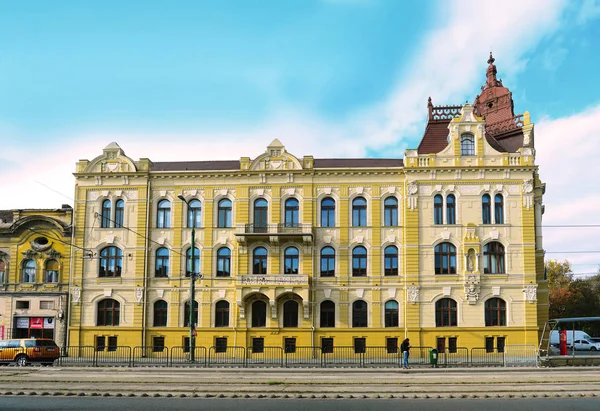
{"x": 139, "y": 294}
{"x": 413, "y": 188}
{"x": 528, "y": 186}
{"x": 413, "y": 294}
{"x": 471, "y": 260}
{"x": 530, "y": 293}
{"x": 75, "y": 294}
{"x": 472, "y": 289}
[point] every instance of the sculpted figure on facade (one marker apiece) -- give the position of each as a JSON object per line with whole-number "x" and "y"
{"x": 413, "y": 294}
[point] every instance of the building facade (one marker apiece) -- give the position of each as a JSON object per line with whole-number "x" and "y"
{"x": 443, "y": 246}
{"x": 34, "y": 273}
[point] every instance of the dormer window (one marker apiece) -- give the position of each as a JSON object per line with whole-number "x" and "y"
{"x": 467, "y": 145}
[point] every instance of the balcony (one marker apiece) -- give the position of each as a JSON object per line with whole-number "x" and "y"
{"x": 297, "y": 280}
{"x": 274, "y": 233}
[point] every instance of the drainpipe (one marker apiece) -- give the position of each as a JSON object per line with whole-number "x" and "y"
{"x": 144, "y": 304}
{"x": 67, "y": 318}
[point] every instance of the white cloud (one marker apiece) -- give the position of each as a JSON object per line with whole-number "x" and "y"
{"x": 588, "y": 10}
{"x": 567, "y": 150}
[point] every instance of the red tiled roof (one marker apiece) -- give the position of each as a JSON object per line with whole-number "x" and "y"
{"x": 357, "y": 162}
{"x": 435, "y": 138}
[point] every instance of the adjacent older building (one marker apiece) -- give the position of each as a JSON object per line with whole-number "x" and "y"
{"x": 443, "y": 246}
{"x": 34, "y": 273}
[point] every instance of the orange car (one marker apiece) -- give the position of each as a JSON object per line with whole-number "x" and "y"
{"x": 27, "y": 350}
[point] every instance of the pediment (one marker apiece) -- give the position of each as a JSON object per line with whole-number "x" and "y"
{"x": 276, "y": 158}
{"x": 112, "y": 160}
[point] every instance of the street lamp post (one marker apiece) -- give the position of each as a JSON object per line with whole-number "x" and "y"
{"x": 193, "y": 277}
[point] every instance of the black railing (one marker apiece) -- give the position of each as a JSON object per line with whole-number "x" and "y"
{"x": 271, "y": 356}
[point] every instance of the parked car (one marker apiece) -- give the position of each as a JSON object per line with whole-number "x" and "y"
{"x": 27, "y": 350}
{"x": 571, "y": 335}
{"x": 585, "y": 345}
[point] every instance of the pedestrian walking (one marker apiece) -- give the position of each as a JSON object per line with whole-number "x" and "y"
{"x": 405, "y": 348}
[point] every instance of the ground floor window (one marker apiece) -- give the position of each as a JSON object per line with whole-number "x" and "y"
{"x": 327, "y": 345}
{"x": 158, "y": 344}
{"x": 258, "y": 345}
{"x": 108, "y": 343}
{"x": 360, "y": 345}
{"x": 221, "y": 344}
{"x": 34, "y": 327}
{"x": 500, "y": 343}
{"x": 447, "y": 343}
{"x": 391, "y": 344}
{"x": 186, "y": 344}
{"x": 290, "y": 345}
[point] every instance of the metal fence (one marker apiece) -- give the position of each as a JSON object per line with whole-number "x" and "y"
{"x": 308, "y": 356}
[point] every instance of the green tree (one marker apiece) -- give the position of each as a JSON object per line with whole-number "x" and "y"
{"x": 560, "y": 278}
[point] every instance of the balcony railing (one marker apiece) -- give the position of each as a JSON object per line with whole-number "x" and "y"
{"x": 277, "y": 279}
{"x": 276, "y": 229}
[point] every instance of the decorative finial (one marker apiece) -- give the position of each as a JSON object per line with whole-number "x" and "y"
{"x": 429, "y": 103}
{"x": 491, "y": 59}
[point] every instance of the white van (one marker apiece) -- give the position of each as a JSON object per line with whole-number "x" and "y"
{"x": 571, "y": 335}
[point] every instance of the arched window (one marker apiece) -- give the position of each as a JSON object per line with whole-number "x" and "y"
{"x": 186, "y": 314}
{"x": 29, "y": 269}
{"x": 359, "y": 212}
{"x": 261, "y": 211}
{"x": 51, "y": 271}
{"x": 327, "y": 314}
{"x": 161, "y": 309}
{"x": 486, "y": 213}
{"x": 105, "y": 217}
{"x": 111, "y": 262}
{"x": 438, "y": 209}
{"x": 390, "y": 212}
{"x": 391, "y": 313}
{"x": 499, "y": 209}
{"x": 224, "y": 213}
{"x": 119, "y": 213}
{"x": 192, "y": 266}
{"x": 194, "y": 214}
{"x": 259, "y": 261}
{"x": 162, "y": 263}
{"x": 224, "y": 262}
{"x": 495, "y": 312}
{"x": 259, "y": 314}
{"x": 359, "y": 261}
{"x": 108, "y": 312}
{"x": 291, "y": 213}
{"x": 445, "y": 258}
{"x": 493, "y": 258}
{"x": 328, "y": 212}
{"x": 467, "y": 145}
{"x": 451, "y": 209}
{"x": 3, "y": 271}
{"x": 446, "y": 313}
{"x": 327, "y": 262}
{"x": 359, "y": 314}
{"x": 290, "y": 262}
{"x": 163, "y": 217}
{"x": 222, "y": 314}
{"x": 290, "y": 314}
{"x": 390, "y": 260}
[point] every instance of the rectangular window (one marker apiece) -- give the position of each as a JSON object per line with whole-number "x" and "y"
{"x": 158, "y": 344}
{"x": 100, "y": 343}
{"x": 22, "y": 305}
{"x": 221, "y": 344}
{"x": 441, "y": 345}
{"x": 112, "y": 343}
{"x": 392, "y": 345}
{"x": 500, "y": 342}
{"x": 46, "y": 305}
{"x": 489, "y": 344}
{"x": 452, "y": 345}
{"x": 327, "y": 345}
{"x": 186, "y": 344}
{"x": 360, "y": 345}
{"x": 290, "y": 345}
{"x": 258, "y": 345}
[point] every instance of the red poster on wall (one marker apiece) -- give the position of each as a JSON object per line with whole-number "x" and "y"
{"x": 36, "y": 322}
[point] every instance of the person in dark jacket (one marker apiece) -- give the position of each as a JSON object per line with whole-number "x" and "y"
{"x": 405, "y": 348}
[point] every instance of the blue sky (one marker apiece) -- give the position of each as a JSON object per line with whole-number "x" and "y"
{"x": 189, "y": 80}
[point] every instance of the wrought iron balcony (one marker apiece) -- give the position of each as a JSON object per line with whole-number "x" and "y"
{"x": 273, "y": 232}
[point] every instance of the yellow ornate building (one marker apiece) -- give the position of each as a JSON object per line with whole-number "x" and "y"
{"x": 443, "y": 246}
{"x": 35, "y": 249}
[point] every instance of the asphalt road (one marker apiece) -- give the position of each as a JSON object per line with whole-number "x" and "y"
{"x": 150, "y": 404}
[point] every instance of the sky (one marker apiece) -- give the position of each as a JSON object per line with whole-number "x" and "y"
{"x": 197, "y": 80}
